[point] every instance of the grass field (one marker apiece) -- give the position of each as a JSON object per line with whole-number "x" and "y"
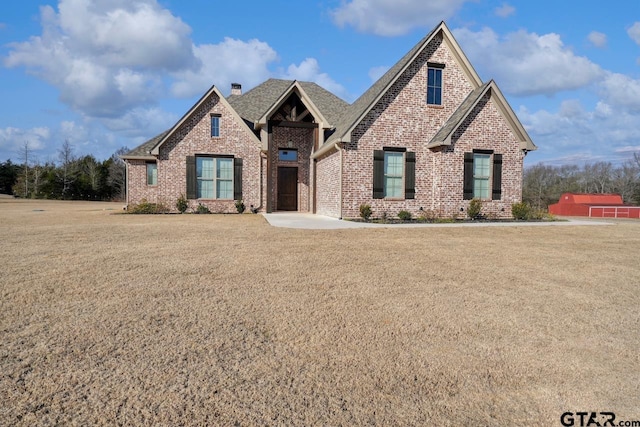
{"x": 223, "y": 320}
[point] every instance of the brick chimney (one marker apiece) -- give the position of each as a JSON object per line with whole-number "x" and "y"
{"x": 236, "y": 89}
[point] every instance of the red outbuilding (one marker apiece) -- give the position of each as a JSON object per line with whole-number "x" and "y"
{"x": 594, "y": 205}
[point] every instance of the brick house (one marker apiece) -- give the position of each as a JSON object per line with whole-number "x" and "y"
{"x": 429, "y": 135}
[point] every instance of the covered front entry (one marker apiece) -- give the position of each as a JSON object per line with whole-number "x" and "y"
{"x": 287, "y": 188}
{"x": 292, "y": 136}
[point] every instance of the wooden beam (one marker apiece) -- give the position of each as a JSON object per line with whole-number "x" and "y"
{"x": 286, "y": 123}
{"x": 304, "y": 114}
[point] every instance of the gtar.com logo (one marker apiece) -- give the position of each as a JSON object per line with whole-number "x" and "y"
{"x": 586, "y": 419}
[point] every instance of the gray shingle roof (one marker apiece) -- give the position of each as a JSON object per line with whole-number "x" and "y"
{"x": 256, "y": 102}
{"x": 252, "y": 105}
{"x": 332, "y": 107}
{"x": 144, "y": 150}
{"x": 458, "y": 116}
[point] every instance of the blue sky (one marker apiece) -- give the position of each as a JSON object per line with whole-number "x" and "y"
{"x": 104, "y": 74}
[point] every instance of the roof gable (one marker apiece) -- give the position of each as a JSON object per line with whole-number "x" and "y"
{"x": 211, "y": 92}
{"x": 296, "y": 88}
{"x": 254, "y": 105}
{"x": 443, "y": 136}
{"x": 370, "y": 98}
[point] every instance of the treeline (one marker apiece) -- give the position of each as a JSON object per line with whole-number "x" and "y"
{"x": 543, "y": 184}
{"x": 68, "y": 178}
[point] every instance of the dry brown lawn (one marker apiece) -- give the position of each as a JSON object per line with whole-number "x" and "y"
{"x": 223, "y": 320}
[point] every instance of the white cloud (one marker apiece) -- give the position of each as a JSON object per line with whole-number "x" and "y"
{"x": 634, "y": 32}
{"x": 376, "y": 72}
{"x": 125, "y": 33}
{"x": 505, "y": 10}
{"x": 597, "y": 39}
{"x": 393, "y": 17}
{"x": 618, "y": 89}
{"x": 628, "y": 149}
{"x": 105, "y": 56}
{"x": 573, "y": 134}
{"x": 309, "y": 71}
{"x": 12, "y": 140}
{"x": 527, "y": 63}
{"x": 141, "y": 122}
{"x": 224, "y": 63}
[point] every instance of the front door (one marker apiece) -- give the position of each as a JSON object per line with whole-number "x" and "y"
{"x": 287, "y": 189}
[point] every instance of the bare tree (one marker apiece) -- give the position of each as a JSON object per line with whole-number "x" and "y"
{"x": 37, "y": 172}
{"x": 24, "y": 154}
{"x": 625, "y": 179}
{"x": 66, "y": 171}
{"x": 117, "y": 174}
{"x": 92, "y": 169}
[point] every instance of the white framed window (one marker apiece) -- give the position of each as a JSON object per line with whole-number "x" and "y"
{"x": 393, "y": 174}
{"x": 214, "y": 178}
{"x": 481, "y": 175}
{"x": 152, "y": 173}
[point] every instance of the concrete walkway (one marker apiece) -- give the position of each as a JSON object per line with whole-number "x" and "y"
{"x": 319, "y": 222}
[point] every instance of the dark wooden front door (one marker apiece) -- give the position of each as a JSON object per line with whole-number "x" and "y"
{"x": 287, "y": 189}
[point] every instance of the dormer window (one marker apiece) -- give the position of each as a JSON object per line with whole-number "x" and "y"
{"x": 434, "y": 84}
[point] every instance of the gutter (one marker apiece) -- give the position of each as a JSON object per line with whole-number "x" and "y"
{"x": 138, "y": 157}
{"x": 326, "y": 148}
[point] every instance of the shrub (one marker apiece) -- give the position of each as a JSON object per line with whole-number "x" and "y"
{"x": 404, "y": 215}
{"x": 240, "y": 207}
{"x": 182, "y": 204}
{"x": 145, "y": 207}
{"x": 202, "y": 209}
{"x": 539, "y": 214}
{"x": 521, "y": 211}
{"x": 365, "y": 212}
{"x": 427, "y": 216}
{"x": 474, "y": 209}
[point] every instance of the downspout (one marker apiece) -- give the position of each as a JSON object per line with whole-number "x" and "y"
{"x": 255, "y": 210}
{"x": 126, "y": 184}
{"x": 340, "y": 202}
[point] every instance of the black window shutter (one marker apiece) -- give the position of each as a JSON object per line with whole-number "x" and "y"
{"x": 410, "y": 175}
{"x": 497, "y": 177}
{"x": 378, "y": 174}
{"x": 467, "y": 190}
{"x": 237, "y": 179}
{"x": 191, "y": 177}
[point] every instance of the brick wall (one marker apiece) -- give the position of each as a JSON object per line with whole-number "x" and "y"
{"x": 328, "y": 185}
{"x": 403, "y": 119}
{"x": 486, "y": 129}
{"x": 138, "y": 189}
{"x": 194, "y": 137}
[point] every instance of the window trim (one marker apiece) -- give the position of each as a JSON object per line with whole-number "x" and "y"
{"x": 386, "y": 175}
{"x": 214, "y": 179}
{"x": 487, "y": 178}
{"x": 147, "y": 164}
{"x": 439, "y": 68}
{"x": 218, "y": 119}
